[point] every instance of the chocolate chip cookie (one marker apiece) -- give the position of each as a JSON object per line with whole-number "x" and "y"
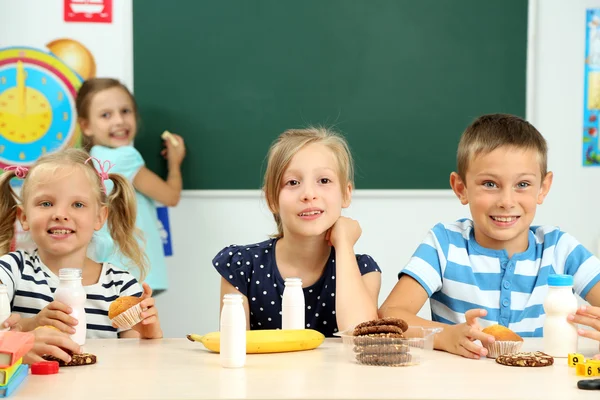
{"x": 534, "y": 359}
{"x": 387, "y": 348}
{"x": 389, "y": 360}
{"x": 378, "y": 338}
{"x": 400, "y": 323}
{"x": 76, "y": 360}
{"x": 367, "y": 330}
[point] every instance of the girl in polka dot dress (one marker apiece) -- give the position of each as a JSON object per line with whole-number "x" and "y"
{"x": 308, "y": 181}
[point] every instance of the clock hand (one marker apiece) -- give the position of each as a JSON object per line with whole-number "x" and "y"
{"x": 21, "y": 88}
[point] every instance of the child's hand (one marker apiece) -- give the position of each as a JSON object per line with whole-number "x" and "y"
{"x": 458, "y": 339}
{"x": 174, "y": 154}
{"x": 12, "y": 322}
{"x": 149, "y": 326}
{"x": 345, "y": 231}
{"x": 588, "y": 316}
{"x": 55, "y": 314}
{"x": 52, "y": 342}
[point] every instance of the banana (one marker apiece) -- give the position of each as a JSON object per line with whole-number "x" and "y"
{"x": 267, "y": 340}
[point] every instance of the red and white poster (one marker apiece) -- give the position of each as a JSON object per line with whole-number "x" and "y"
{"x": 88, "y": 11}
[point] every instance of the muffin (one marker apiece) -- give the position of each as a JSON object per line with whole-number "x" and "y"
{"x": 507, "y": 342}
{"x": 125, "y": 311}
{"x": 46, "y": 326}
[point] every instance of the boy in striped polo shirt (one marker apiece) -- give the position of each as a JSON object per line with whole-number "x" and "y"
{"x": 493, "y": 268}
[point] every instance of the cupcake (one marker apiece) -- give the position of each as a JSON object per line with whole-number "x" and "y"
{"x": 46, "y": 326}
{"x": 507, "y": 342}
{"x": 125, "y": 311}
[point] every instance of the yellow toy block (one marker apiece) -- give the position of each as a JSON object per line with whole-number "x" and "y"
{"x": 589, "y": 368}
{"x": 575, "y": 358}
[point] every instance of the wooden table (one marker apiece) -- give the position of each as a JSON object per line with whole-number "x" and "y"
{"x": 177, "y": 368}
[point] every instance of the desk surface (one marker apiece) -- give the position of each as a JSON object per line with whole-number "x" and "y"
{"x": 178, "y": 368}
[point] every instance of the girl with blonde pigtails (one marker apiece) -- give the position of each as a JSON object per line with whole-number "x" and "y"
{"x": 63, "y": 201}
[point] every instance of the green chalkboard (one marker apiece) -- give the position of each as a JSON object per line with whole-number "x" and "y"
{"x": 400, "y": 78}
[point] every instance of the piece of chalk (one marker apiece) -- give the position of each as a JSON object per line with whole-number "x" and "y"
{"x": 167, "y": 135}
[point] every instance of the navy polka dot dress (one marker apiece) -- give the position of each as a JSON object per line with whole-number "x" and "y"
{"x": 253, "y": 271}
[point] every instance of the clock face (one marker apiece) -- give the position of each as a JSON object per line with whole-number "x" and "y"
{"x": 37, "y": 105}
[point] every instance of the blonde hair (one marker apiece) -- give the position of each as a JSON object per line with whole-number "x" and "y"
{"x": 121, "y": 202}
{"x": 492, "y": 131}
{"x": 85, "y": 95}
{"x": 283, "y": 150}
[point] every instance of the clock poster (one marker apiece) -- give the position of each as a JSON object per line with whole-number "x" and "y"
{"x": 38, "y": 88}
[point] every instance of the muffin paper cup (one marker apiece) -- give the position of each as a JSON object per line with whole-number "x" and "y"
{"x": 501, "y": 347}
{"x": 129, "y": 317}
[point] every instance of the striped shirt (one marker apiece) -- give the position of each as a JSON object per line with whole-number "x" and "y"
{"x": 31, "y": 287}
{"x": 459, "y": 274}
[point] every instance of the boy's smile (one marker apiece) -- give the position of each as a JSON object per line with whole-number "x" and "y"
{"x": 504, "y": 221}
{"x": 503, "y": 189}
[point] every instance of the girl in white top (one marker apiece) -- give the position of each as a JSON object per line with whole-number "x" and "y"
{"x": 63, "y": 202}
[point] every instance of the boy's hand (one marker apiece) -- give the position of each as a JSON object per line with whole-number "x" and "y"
{"x": 174, "y": 154}
{"x": 51, "y": 342}
{"x": 345, "y": 231}
{"x": 588, "y": 316}
{"x": 149, "y": 326}
{"x": 459, "y": 339}
{"x": 55, "y": 314}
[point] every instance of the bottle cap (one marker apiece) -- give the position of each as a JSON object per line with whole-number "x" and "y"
{"x": 232, "y": 298}
{"x": 560, "y": 280}
{"x": 44, "y": 368}
{"x": 69, "y": 273}
{"x": 293, "y": 281}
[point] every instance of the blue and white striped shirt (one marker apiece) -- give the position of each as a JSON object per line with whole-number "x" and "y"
{"x": 31, "y": 285}
{"x": 459, "y": 274}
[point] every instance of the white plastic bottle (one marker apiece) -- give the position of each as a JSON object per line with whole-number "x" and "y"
{"x": 4, "y": 306}
{"x": 70, "y": 292}
{"x": 560, "y": 336}
{"x": 233, "y": 332}
{"x": 292, "y": 305}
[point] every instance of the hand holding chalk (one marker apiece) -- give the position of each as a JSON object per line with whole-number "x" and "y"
{"x": 174, "y": 150}
{"x": 167, "y": 135}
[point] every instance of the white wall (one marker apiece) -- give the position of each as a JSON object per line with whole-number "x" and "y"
{"x": 393, "y": 222}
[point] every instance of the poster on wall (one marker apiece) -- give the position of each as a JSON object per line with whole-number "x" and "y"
{"x": 88, "y": 11}
{"x": 591, "y": 98}
{"x": 38, "y": 88}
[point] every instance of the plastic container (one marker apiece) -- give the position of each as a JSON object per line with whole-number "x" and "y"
{"x": 292, "y": 305}
{"x": 560, "y": 336}
{"x": 413, "y": 349}
{"x": 233, "y": 332}
{"x": 70, "y": 291}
